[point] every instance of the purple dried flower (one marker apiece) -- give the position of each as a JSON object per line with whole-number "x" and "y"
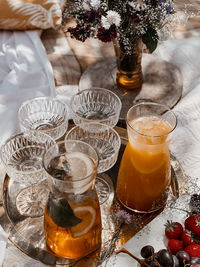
{"x": 135, "y": 18}
{"x": 106, "y": 35}
{"x": 169, "y": 9}
{"x": 90, "y": 16}
{"x": 123, "y": 216}
{"x": 124, "y": 20}
{"x": 80, "y": 33}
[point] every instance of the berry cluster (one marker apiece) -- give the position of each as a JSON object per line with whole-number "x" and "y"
{"x": 185, "y": 240}
{"x": 183, "y": 249}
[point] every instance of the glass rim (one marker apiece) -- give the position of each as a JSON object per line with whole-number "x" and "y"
{"x": 74, "y": 180}
{"x": 18, "y": 135}
{"x": 27, "y": 102}
{"x": 153, "y": 104}
{"x": 94, "y": 123}
{"x": 95, "y": 88}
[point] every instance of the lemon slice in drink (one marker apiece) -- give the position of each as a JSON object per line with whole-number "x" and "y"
{"x": 80, "y": 165}
{"x": 88, "y": 215}
{"x": 145, "y": 162}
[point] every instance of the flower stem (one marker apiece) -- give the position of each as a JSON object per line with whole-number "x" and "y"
{"x": 123, "y": 250}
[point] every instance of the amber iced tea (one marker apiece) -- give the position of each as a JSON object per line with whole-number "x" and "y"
{"x": 76, "y": 241}
{"x": 72, "y": 219}
{"x": 144, "y": 174}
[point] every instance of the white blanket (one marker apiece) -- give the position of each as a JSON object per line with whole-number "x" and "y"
{"x": 25, "y": 72}
{"x": 186, "y": 140}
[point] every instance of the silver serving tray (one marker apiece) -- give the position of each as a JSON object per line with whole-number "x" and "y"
{"x": 27, "y": 233}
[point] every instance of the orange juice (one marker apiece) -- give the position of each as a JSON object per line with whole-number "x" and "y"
{"x": 79, "y": 240}
{"x": 144, "y": 174}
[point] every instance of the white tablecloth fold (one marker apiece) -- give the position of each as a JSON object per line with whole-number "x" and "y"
{"x": 25, "y": 72}
{"x": 186, "y": 139}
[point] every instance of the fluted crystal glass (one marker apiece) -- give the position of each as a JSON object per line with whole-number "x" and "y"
{"x": 46, "y": 114}
{"x": 97, "y": 105}
{"x": 106, "y": 141}
{"x": 21, "y": 156}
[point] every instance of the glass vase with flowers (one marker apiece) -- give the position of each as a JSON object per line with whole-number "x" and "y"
{"x": 126, "y": 23}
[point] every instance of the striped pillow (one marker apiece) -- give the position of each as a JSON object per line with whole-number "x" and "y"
{"x": 30, "y": 14}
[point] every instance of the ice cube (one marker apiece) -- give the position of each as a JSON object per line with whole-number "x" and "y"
{"x": 149, "y": 125}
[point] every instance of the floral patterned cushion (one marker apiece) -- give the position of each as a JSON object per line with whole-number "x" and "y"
{"x": 30, "y": 14}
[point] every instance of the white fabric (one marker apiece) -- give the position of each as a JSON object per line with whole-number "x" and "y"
{"x": 3, "y": 241}
{"x": 186, "y": 139}
{"x": 25, "y": 73}
{"x": 65, "y": 94}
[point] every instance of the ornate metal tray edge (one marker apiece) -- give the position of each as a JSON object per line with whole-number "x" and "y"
{"x": 17, "y": 233}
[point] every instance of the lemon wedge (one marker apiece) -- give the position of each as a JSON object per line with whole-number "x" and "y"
{"x": 88, "y": 215}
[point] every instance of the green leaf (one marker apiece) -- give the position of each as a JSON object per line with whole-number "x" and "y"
{"x": 61, "y": 212}
{"x": 150, "y": 39}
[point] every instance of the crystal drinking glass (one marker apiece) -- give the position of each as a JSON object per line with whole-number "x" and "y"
{"x": 46, "y": 114}
{"x": 97, "y": 105}
{"x": 22, "y": 158}
{"x": 106, "y": 141}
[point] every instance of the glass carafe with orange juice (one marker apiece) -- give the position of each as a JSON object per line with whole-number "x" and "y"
{"x": 72, "y": 219}
{"x": 145, "y": 171}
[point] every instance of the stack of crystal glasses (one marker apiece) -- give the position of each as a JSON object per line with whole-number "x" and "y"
{"x": 42, "y": 120}
{"x": 61, "y": 172}
{"x": 95, "y": 112}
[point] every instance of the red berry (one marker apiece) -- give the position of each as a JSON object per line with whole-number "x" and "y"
{"x": 173, "y": 230}
{"x": 196, "y": 225}
{"x": 191, "y": 221}
{"x": 187, "y": 238}
{"x": 174, "y": 246}
{"x": 188, "y": 222}
{"x": 193, "y": 250}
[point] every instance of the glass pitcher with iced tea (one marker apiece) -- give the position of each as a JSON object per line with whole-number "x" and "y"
{"x": 72, "y": 219}
{"x": 145, "y": 171}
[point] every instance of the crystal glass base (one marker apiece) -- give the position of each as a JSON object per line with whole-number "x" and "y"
{"x": 31, "y": 200}
{"x": 104, "y": 187}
